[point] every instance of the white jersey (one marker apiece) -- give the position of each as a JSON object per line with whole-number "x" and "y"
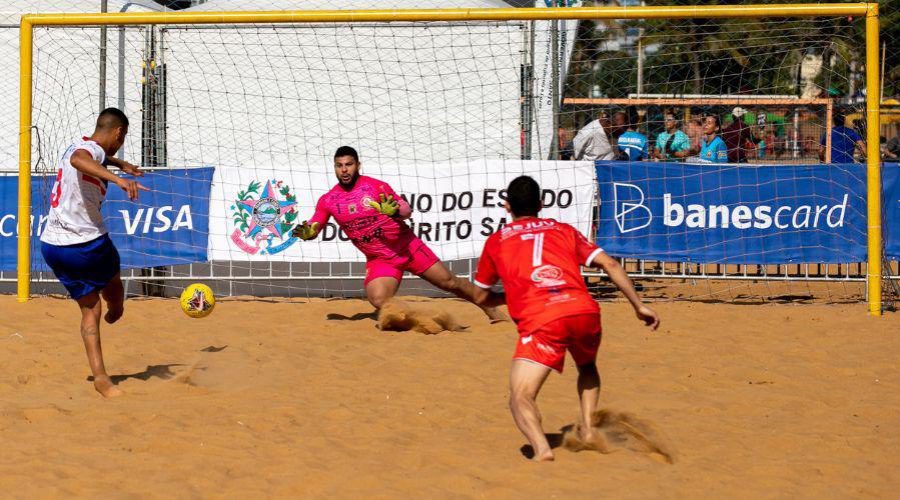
{"x": 592, "y": 143}
{"x": 75, "y": 200}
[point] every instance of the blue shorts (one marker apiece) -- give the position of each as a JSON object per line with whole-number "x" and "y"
{"x": 83, "y": 268}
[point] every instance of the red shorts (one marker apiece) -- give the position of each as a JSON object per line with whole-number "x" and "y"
{"x": 416, "y": 259}
{"x": 547, "y": 345}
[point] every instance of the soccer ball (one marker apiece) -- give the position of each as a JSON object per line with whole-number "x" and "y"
{"x": 197, "y": 300}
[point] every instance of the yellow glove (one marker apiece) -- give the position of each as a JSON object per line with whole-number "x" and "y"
{"x": 388, "y": 206}
{"x": 306, "y": 231}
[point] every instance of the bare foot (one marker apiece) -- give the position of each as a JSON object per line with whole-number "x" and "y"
{"x": 545, "y": 456}
{"x": 113, "y": 314}
{"x": 495, "y": 314}
{"x": 106, "y": 388}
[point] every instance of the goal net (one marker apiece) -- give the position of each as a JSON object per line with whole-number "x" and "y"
{"x": 236, "y": 125}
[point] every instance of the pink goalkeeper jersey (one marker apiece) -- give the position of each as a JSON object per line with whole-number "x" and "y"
{"x": 374, "y": 234}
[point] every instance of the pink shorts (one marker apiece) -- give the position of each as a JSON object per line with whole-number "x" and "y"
{"x": 416, "y": 259}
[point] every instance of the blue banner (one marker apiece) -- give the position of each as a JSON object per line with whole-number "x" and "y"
{"x": 168, "y": 225}
{"x": 745, "y": 214}
{"x": 890, "y": 199}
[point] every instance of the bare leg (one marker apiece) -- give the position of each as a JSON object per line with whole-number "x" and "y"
{"x": 525, "y": 381}
{"x": 114, "y": 295}
{"x": 441, "y": 277}
{"x": 91, "y": 308}
{"x": 588, "y": 394}
{"x": 380, "y": 290}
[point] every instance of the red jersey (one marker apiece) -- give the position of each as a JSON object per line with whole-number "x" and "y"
{"x": 539, "y": 262}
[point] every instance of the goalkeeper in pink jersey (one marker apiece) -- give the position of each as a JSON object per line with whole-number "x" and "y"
{"x": 371, "y": 214}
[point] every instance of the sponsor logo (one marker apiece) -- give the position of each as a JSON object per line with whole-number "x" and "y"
{"x": 263, "y": 216}
{"x": 632, "y": 213}
{"x": 547, "y": 276}
{"x": 526, "y": 340}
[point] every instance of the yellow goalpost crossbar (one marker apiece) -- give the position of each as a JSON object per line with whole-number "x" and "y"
{"x": 869, "y": 10}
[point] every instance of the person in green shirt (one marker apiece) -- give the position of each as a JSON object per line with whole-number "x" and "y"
{"x": 672, "y": 144}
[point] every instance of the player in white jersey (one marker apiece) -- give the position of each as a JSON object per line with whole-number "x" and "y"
{"x": 75, "y": 243}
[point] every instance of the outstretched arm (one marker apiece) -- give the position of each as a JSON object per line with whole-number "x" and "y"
{"x": 124, "y": 166}
{"x": 308, "y": 230}
{"x": 83, "y": 162}
{"x": 623, "y": 282}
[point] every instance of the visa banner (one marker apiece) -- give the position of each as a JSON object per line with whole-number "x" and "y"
{"x": 747, "y": 214}
{"x": 168, "y": 225}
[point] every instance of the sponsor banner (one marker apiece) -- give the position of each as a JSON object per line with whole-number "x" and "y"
{"x": 891, "y": 201}
{"x": 733, "y": 214}
{"x": 168, "y": 225}
{"x": 456, "y": 206}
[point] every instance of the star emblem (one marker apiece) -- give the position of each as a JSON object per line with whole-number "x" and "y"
{"x": 266, "y": 211}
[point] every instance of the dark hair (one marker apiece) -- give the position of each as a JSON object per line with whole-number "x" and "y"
{"x": 839, "y": 119}
{"x": 347, "y": 151}
{"x": 714, "y": 117}
{"x": 111, "y": 118}
{"x": 524, "y": 196}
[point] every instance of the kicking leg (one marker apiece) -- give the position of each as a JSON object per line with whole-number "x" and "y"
{"x": 441, "y": 277}
{"x": 114, "y": 295}
{"x": 525, "y": 381}
{"x": 380, "y": 290}
{"x": 91, "y": 308}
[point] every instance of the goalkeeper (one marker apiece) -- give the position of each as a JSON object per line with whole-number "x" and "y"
{"x": 372, "y": 215}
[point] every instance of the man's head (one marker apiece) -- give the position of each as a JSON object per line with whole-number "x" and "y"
{"x": 523, "y": 197}
{"x": 346, "y": 165}
{"x": 603, "y": 118}
{"x": 671, "y": 122}
{"x": 111, "y": 129}
{"x": 839, "y": 120}
{"x": 738, "y": 112}
{"x": 619, "y": 123}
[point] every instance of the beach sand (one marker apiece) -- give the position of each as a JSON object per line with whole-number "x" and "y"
{"x": 308, "y": 397}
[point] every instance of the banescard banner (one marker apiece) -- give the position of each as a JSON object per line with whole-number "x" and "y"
{"x": 168, "y": 225}
{"x": 456, "y": 206}
{"x": 747, "y": 214}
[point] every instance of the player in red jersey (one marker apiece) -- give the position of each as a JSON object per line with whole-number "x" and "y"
{"x": 539, "y": 262}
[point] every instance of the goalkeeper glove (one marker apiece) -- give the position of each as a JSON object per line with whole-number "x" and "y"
{"x": 388, "y": 206}
{"x": 306, "y": 231}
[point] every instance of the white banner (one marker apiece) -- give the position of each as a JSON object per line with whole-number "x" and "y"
{"x": 542, "y": 123}
{"x": 456, "y": 206}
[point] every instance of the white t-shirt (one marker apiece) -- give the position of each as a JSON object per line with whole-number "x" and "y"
{"x": 592, "y": 143}
{"x": 75, "y": 200}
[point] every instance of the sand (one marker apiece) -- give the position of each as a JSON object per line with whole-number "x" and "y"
{"x": 310, "y": 398}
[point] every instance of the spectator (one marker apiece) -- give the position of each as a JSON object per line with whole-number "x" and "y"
{"x": 632, "y": 143}
{"x": 565, "y": 144}
{"x": 738, "y": 138}
{"x": 619, "y": 125}
{"x": 592, "y": 142}
{"x": 843, "y": 142}
{"x": 694, "y": 130}
{"x": 672, "y": 144}
{"x": 712, "y": 147}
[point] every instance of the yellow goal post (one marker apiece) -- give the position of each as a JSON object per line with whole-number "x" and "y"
{"x": 869, "y": 10}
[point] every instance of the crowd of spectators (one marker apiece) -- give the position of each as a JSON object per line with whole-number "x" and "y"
{"x": 703, "y": 138}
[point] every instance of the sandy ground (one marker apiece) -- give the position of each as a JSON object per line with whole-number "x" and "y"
{"x": 283, "y": 399}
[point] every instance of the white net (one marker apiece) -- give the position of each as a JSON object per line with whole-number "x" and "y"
{"x": 239, "y": 123}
